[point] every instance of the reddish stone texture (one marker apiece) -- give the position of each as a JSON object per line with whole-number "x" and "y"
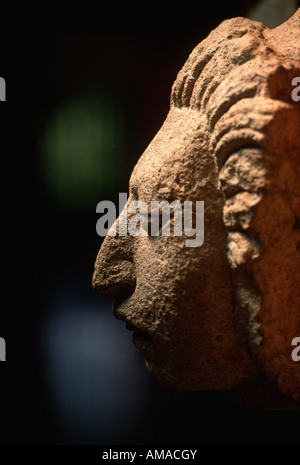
{"x": 221, "y": 316}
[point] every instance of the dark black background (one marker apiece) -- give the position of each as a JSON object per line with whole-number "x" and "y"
{"x": 135, "y": 55}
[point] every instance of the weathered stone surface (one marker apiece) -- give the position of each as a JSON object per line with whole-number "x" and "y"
{"x": 221, "y": 316}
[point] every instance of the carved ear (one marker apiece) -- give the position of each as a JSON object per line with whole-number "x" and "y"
{"x": 261, "y": 214}
{"x": 242, "y": 179}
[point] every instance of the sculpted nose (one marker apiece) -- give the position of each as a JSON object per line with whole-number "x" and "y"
{"x": 114, "y": 269}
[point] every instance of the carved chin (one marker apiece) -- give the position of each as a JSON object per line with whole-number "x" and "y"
{"x": 189, "y": 380}
{"x": 170, "y": 379}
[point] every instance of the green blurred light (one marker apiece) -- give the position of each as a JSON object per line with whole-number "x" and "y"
{"x": 81, "y": 152}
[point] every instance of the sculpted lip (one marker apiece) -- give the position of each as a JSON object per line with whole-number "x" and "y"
{"x": 117, "y": 303}
{"x": 141, "y": 339}
{"x": 138, "y": 335}
{"x": 143, "y": 343}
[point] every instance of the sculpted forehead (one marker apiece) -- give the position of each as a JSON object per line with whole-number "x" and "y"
{"x": 176, "y": 162}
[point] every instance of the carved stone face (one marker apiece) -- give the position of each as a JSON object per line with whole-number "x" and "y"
{"x": 177, "y": 299}
{"x": 199, "y": 315}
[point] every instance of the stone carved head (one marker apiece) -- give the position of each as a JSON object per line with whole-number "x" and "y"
{"x": 221, "y": 316}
